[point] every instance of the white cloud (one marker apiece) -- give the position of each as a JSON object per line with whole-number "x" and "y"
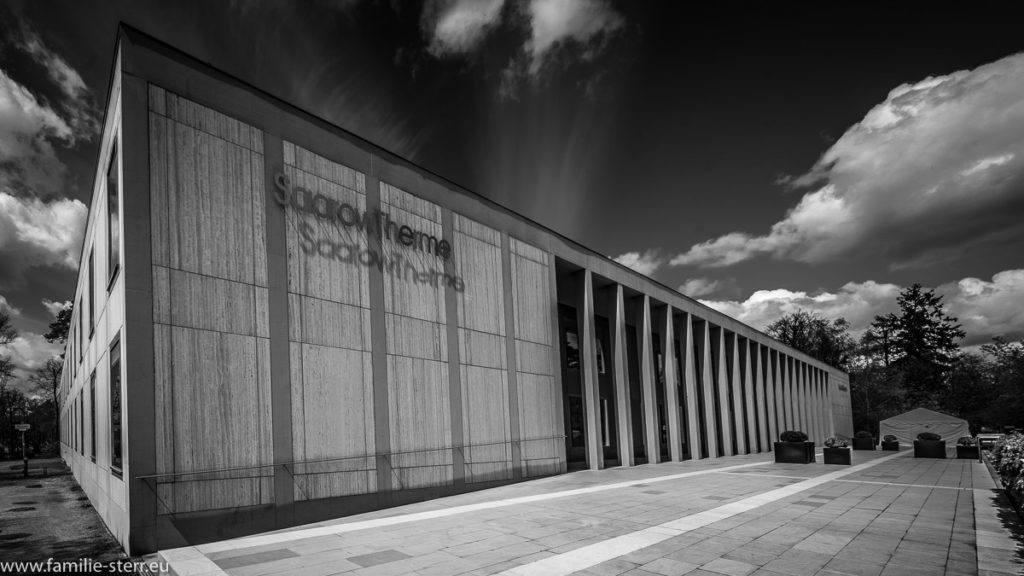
{"x": 984, "y": 308}
{"x": 988, "y": 308}
{"x": 857, "y": 302}
{"x": 933, "y": 171}
{"x": 697, "y": 287}
{"x": 63, "y": 75}
{"x": 55, "y": 308}
{"x": 6, "y": 306}
{"x": 458, "y": 26}
{"x": 28, "y": 352}
{"x": 38, "y": 233}
{"x": 554, "y": 22}
{"x": 647, "y": 263}
{"x": 28, "y": 129}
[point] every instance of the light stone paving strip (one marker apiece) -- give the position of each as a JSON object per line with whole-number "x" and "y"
{"x": 998, "y": 550}
{"x": 192, "y": 560}
{"x": 594, "y": 554}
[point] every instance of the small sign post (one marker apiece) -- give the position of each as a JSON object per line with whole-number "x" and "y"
{"x": 24, "y": 456}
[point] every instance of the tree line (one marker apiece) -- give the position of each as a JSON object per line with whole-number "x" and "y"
{"x": 38, "y": 407}
{"x": 912, "y": 358}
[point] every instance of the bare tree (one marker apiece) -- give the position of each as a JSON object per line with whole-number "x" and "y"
{"x": 47, "y": 381}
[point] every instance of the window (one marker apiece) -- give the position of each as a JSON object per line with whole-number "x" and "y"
{"x": 81, "y": 426}
{"x": 79, "y": 330}
{"x": 92, "y": 415}
{"x": 113, "y": 217}
{"x": 115, "y": 408}
{"x": 92, "y": 294}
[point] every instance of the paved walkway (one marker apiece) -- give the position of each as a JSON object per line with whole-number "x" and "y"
{"x": 889, "y": 514}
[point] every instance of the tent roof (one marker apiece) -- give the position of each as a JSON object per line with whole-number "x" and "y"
{"x": 923, "y": 415}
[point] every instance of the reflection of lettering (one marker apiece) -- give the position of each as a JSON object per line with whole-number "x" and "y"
{"x": 354, "y": 254}
{"x": 375, "y": 222}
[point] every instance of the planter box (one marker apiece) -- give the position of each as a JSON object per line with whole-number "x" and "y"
{"x": 863, "y": 443}
{"x": 967, "y": 452}
{"x": 891, "y": 446}
{"x": 837, "y": 456}
{"x": 794, "y": 452}
{"x": 929, "y": 448}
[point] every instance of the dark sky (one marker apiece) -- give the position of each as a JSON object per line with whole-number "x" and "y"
{"x": 762, "y": 156}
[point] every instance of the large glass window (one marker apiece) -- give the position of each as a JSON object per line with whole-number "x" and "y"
{"x": 92, "y": 415}
{"x": 92, "y": 293}
{"x": 113, "y": 216}
{"x": 81, "y": 426}
{"x": 115, "y": 408}
{"x": 79, "y": 328}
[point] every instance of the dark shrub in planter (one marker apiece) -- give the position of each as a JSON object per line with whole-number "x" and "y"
{"x": 891, "y": 443}
{"x": 966, "y": 448}
{"x": 836, "y": 451}
{"x": 863, "y": 441}
{"x": 794, "y": 448}
{"x": 929, "y": 445}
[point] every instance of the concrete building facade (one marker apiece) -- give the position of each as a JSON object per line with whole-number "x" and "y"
{"x": 277, "y": 322}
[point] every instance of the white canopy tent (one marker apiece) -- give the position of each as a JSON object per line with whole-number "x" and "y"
{"x": 908, "y": 425}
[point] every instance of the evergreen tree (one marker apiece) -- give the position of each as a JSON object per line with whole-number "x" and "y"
{"x": 920, "y": 342}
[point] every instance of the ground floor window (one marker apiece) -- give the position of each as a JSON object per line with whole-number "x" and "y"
{"x": 115, "y": 408}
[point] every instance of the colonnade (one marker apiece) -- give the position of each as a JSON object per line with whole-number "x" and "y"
{"x": 726, "y": 389}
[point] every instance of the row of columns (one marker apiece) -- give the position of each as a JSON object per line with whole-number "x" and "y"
{"x": 738, "y": 394}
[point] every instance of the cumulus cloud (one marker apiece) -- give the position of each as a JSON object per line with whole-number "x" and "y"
{"x": 985, "y": 308}
{"x": 697, "y": 287}
{"x": 34, "y": 232}
{"x": 988, "y": 308}
{"x": 934, "y": 170}
{"x": 28, "y": 352}
{"x": 858, "y": 302}
{"x": 55, "y": 308}
{"x": 31, "y": 127}
{"x": 458, "y": 26}
{"x": 647, "y": 263}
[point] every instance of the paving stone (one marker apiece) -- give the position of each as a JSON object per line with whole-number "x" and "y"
{"x": 729, "y": 567}
{"x": 858, "y": 567}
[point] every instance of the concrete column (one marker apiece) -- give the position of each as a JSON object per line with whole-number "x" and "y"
{"x": 801, "y": 371}
{"x": 812, "y": 399}
{"x": 724, "y": 413}
{"x": 786, "y": 389}
{"x": 675, "y": 431}
{"x": 828, "y": 405}
{"x": 621, "y": 376}
{"x": 749, "y": 397}
{"x": 732, "y": 345}
{"x": 822, "y": 432}
{"x": 703, "y": 340}
{"x": 653, "y": 442}
{"x": 588, "y": 369}
{"x": 823, "y": 404}
{"x": 690, "y": 386}
{"x": 759, "y": 397}
{"x": 773, "y": 410}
